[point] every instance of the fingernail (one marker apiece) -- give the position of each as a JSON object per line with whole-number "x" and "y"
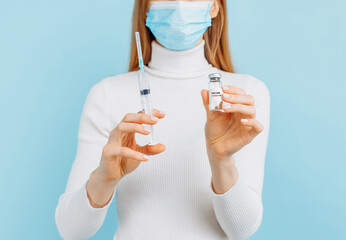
{"x": 147, "y": 128}
{"x": 145, "y": 156}
{"x": 162, "y": 112}
{"x": 244, "y": 120}
{"x": 154, "y": 118}
{"x": 226, "y": 95}
{"x": 225, "y": 87}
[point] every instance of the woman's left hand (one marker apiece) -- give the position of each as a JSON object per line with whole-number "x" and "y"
{"x": 227, "y": 132}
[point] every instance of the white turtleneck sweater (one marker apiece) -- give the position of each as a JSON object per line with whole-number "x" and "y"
{"x": 170, "y": 196}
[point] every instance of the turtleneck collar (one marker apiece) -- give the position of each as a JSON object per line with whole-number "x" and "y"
{"x": 190, "y": 63}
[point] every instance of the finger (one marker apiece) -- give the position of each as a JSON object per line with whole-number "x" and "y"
{"x": 140, "y": 118}
{"x": 116, "y": 135}
{"x": 125, "y": 127}
{"x": 152, "y": 149}
{"x": 156, "y": 113}
{"x": 232, "y": 89}
{"x": 240, "y": 108}
{"x": 126, "y": 152}
{"x": 241, "y": 99}
{"x": 257, "y": 127}
{"x": 205, "y": 99}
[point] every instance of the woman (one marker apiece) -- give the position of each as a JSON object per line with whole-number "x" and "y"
{"x": 205, "y": 181}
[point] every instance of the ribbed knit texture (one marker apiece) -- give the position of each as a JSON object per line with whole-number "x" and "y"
{"x": 169, "y": 196}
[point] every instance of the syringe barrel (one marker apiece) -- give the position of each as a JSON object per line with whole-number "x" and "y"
{"x": 145, "y": 96}
{"x": 143, "y": 81}
{"x": 146, "y": 104}
{"x": 144, "y": 90}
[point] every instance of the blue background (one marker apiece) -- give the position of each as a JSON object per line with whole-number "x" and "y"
{"x": 52, "y": 52}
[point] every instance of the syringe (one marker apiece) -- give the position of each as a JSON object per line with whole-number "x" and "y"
{"x": 144, "y": 88}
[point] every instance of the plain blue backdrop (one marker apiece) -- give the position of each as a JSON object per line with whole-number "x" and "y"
{"x": 52, "y": 52}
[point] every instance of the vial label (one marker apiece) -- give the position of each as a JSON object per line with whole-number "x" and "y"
{"x": 215, "y": 99}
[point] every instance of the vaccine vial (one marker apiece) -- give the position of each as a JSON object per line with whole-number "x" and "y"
{"x": 215, "y": 92}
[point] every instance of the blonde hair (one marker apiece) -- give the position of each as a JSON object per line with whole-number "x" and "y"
{"x": 216, "y": 48}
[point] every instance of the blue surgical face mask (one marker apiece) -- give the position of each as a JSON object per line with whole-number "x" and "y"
{"x": 178, "y": 25}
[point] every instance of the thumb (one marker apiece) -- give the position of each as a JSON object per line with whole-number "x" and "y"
{"x": 205, "y": 98}
{"x": 152, "y": 149}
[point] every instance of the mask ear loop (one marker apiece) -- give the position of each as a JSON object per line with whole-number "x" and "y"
{"x": 212, "y": 3}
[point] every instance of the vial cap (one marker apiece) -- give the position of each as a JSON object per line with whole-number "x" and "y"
{"x": 215, "y": 75}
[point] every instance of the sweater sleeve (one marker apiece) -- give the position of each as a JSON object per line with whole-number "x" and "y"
{"x": 75, "y": 217}
{"x": 239, "y": 210}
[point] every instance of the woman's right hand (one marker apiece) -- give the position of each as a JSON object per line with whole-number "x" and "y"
{"x": 121, "y": 155}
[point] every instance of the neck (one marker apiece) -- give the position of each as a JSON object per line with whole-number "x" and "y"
{"x": 178, "y": 64}
{"x": 199, "y": 41}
